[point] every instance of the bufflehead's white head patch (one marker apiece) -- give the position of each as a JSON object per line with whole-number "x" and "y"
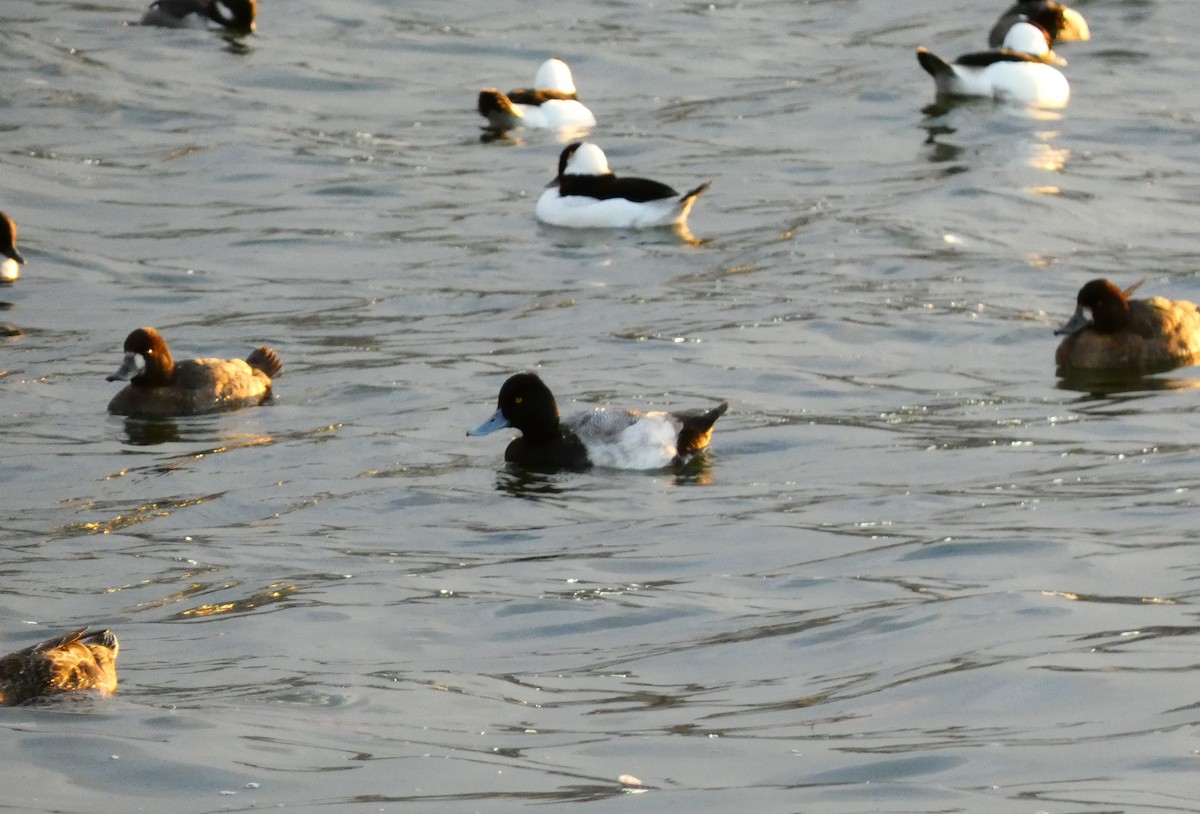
{"x": 587, "y": 159}
{"x": 554, "y": 75}
{"x": 1027, "y": 38}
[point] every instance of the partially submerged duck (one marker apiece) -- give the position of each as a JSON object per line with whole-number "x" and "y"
{"x": 551, "y": 103}
{"x": 1019, "y": 72}
{"x": 1062, "y": 23}
{"x": 1110, "y": 331}
{"x": 159, "y": 386}
{"x": 10, "y": 267}
{"x": 609, "y": 437}
{"x": 236, "y": 16}
{"x": 73, "y": 662}
{"x": 587, "y": 194}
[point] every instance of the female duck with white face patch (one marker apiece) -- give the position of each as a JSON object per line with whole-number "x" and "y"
{"x": 550, "y": 104}
{"x": 587, "y": 194}
{"x": 159, "y": 386}
{"x": 620, "y": 439}
{"x": 1111, "y": 331}
{"x": 1020, "y": 72}
{"x": 233, "y": 15}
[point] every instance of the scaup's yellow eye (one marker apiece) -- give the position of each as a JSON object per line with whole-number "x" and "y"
{"x": 518, "y": 399}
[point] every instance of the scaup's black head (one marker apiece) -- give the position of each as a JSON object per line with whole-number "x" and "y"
{"x": 1100, "y": 305}
{"x": 147, "y": 361}
{"x": 526, "y": 404}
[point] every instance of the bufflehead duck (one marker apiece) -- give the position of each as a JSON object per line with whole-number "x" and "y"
{"x": 1110, "y": 331}
{"x": 551, "y": 103}
{"x": 9, "y": 271}
{"x": 159, "y": 386}
{"x": 66, "y": 663}
{"x": 586, "y": 194}
{"x": 619, "y": 439}
{"x": 1019, "y": 72}
{"x": 1064, "y": 24}
{"x": 234, "y": 15}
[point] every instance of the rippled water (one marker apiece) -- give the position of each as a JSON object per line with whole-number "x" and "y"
{"x": 916, "y": 572}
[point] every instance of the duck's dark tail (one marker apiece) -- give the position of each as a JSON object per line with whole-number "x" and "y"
{"x": 266, "y": 360}
{"x": 697, "y": 428}
{"x": 695, "y": 193}
{"x": 933, "y": 64}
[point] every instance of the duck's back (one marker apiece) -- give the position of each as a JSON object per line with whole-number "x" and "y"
{"x": 199, "y": 385}
{"x": 68, "y": 663}
{"x": 1161, "y": 334}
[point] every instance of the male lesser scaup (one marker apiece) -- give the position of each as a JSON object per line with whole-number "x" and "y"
{"x": 1064, "y": 24}
{"x": 233, "y": 15}
{"x": 1020, "y": 72}
{"x": 550, "y": 104}
{"x": 9, "y": 271}
{"x": 66, "y": 663}
{"x": 1110, "y": 331}
{"x": 620, "y": 439}
{"x": 587, "y": 194}
{"x": 159, "y": 386}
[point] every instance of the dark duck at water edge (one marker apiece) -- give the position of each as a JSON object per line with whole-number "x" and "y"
{"x": 73, "y": 662}
{"x": 237, "y": 16}
{"x": 1110, "y": 331}
{"x": 160, "y": 387}
{"x": 607, "y": 437}
{"x": 1063, "y": 23}
{"x": 9, "y": 270}
{"x": 587, "y": 194}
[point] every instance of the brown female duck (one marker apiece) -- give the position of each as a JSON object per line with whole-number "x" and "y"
{"x": 67, "y": 663}
{"x": 159, "y": 386}
{"x": 1110, "y": 331}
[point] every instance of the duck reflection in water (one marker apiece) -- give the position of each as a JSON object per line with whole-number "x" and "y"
{"x": 149, "y": 432}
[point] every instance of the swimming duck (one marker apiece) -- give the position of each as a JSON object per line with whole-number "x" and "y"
{"x": 1019, "y": 72}
{"x": 1064, "y": 24}
{"x": 9, "y": 272}
{"x": 586, "y": 194}
{"x": 551, "y": 103}
{"x": 620, "y": 439}
{"x": 234, "y": 15}
{"x": 63, "y": 664}
{"x": 159, "y": 386}
{"x": 1110, "y": 331}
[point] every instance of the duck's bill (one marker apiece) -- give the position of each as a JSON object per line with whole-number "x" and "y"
{"x": 496, "y": 422}
{"x": 1078, "y": 321}
{"x": 128, "y": 369}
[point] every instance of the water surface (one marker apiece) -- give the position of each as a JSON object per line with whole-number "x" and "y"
{"x": 916, "y": 572}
